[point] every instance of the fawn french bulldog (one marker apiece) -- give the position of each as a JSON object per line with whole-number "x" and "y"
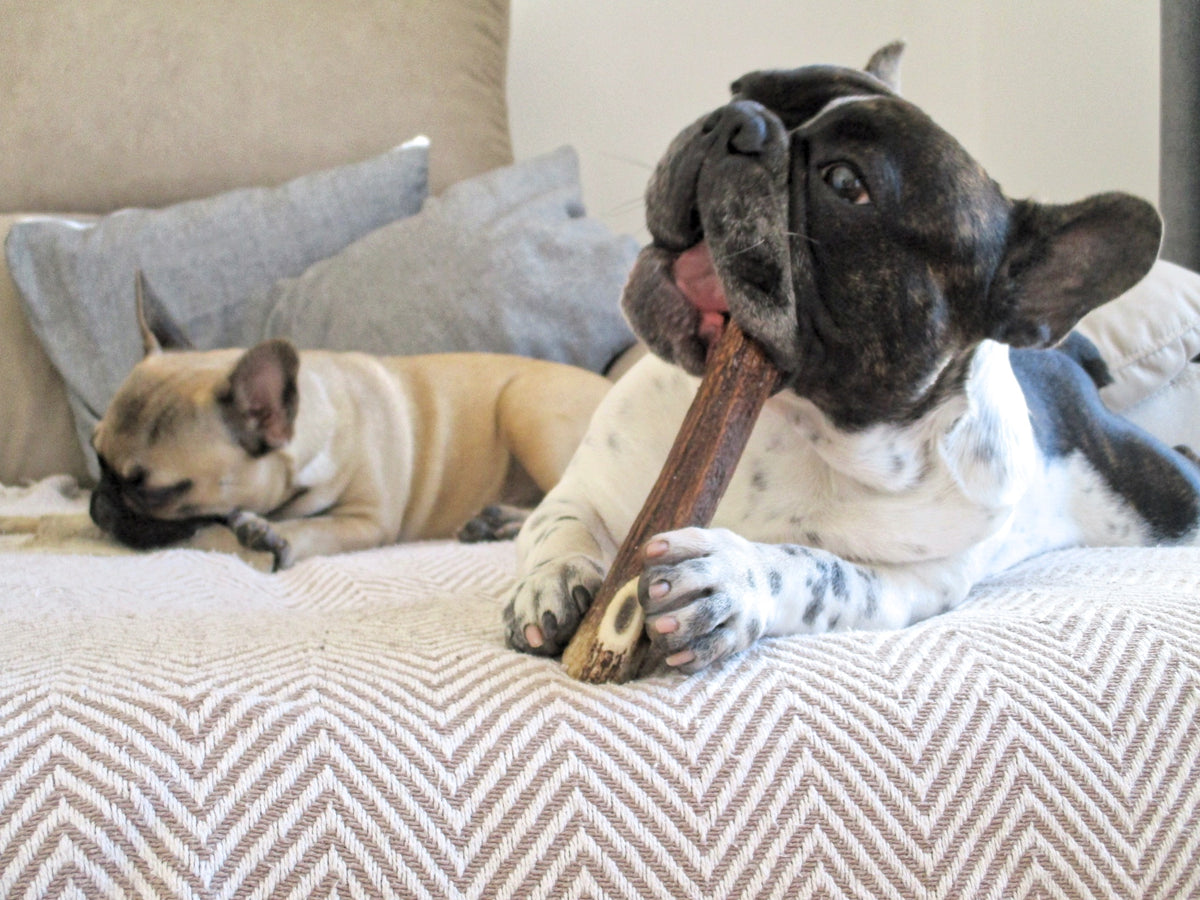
{"x": 316, "y": 452}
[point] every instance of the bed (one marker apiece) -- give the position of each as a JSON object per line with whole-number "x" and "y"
{"x": 183, "y": 723}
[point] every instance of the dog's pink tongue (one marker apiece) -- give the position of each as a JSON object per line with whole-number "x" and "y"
{"x": 697, "y": 280}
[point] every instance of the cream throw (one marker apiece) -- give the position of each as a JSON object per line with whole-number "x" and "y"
{"x": 178, "y": 724}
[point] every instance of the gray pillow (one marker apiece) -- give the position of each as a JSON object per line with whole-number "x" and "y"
{"x": 202, "y": 259}
{"x": 505, "y": 262}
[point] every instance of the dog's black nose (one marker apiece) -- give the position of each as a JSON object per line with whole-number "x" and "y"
{"x": 741, "y": 125}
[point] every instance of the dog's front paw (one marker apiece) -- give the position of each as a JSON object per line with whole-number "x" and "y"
{"x": 547, "y": 605}
{"x": 256, "y": 533}
{"x": 706, "y": 595}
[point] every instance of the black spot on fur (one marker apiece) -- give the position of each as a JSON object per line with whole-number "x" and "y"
{"x": 870, "y": 597}
{"x": 751, "y": 631}
{"x": 837, "y": 581}
{"x": 815, "y": 605}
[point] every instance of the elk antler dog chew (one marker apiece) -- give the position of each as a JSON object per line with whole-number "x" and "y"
{"x": 738, "y": 380}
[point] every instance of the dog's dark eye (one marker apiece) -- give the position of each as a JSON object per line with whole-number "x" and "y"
{"x": 845, "y": 183}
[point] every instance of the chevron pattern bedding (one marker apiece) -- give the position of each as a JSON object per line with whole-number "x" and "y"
{"x": 179, "y": 724}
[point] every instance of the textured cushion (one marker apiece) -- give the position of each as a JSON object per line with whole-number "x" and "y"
{"x": 202, "y": 258}
{"x": 177, "y": 724}
{"x": 111, "y": 103}
{"x": 505, "y": 262}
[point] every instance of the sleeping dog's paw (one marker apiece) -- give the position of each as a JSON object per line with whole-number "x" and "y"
{"x": 497, "y": 522}
{"x": 256, "y": 533}
{"x": 707, "y": 594}
{"x": 547, "y": 605}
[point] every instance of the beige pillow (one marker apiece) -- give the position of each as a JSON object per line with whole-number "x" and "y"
{"x": 113, "y": 103}
{"x": 37, "y": 431}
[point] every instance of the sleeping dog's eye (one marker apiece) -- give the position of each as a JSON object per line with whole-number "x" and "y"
{"x": 845, "y": 183}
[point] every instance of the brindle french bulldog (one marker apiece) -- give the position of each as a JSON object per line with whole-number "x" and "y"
{"x": 923, "y": 439}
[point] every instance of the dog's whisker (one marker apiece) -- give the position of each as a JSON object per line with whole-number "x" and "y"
{"x": 624, "y": 206}
{"x": 628, "y": 160}
{"x": 740, "y": 250}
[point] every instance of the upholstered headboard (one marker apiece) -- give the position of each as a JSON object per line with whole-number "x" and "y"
{"x": 115, "y": 103}
{"x": 118, "y": 103}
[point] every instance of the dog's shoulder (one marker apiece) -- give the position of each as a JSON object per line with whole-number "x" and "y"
{"x": 1072, "y": 423}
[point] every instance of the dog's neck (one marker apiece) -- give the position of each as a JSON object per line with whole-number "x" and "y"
{"x": 980, "y": 434}
{"x": 307, "y": 457}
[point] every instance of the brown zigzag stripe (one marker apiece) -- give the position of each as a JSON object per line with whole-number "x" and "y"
{"x": 355, "y": 727}
{"x": 582, "y": 744}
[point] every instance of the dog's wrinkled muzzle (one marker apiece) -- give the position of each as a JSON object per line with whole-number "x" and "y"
{"x": 109, "y": 510}
{"x": 718, "y": 208}
{"x": 726, "y": 210}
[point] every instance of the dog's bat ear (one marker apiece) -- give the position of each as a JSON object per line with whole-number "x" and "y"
{"x": 1060, "y": 262}
{"x": 884, "y": 64}
{"x": 260, "y": 400}
{"x": 159, "y": 331}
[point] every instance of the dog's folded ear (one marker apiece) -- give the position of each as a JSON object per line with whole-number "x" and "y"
{"x": 260, "y": 400}
{"x": 1060, "y": 262}
{"x": 159, "y": 331}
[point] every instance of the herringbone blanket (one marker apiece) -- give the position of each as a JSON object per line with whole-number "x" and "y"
{"x": 179, "y": 724}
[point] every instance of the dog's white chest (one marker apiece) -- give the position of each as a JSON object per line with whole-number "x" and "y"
{"x": 890, "y": 493}
{"x": 887, "y": 494}
{"x": 785, "y": 491}
{"x": 321, "y": 468}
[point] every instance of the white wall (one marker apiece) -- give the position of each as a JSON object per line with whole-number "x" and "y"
{"x": 1057, "y": 98}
